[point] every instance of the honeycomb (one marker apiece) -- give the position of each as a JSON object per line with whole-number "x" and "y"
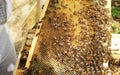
{"x": 74, "y": 39}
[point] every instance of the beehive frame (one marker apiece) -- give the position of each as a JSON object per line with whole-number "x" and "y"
{"x": 32, "y": 49}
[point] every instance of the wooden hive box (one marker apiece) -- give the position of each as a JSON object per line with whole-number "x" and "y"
{"x": 32, "y": 26}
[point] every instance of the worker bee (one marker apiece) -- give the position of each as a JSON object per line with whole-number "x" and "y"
{"x": 42, "y": 6}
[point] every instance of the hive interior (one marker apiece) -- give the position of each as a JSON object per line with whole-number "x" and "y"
{"x": 73, "y": 40}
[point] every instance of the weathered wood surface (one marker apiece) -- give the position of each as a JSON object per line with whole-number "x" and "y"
{"x": 36, "y": 38}
{"x": 35, "y": 15}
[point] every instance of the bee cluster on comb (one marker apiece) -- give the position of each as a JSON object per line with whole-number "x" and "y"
{"x": 79, "y": 40}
